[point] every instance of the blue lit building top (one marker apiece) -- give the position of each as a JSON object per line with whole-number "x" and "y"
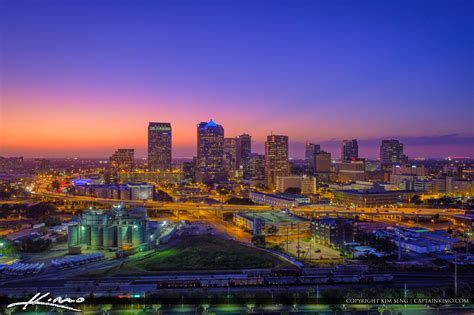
{"x": 211, "y": 123}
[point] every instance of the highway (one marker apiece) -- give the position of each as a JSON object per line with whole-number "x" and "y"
{"x": 314, "y": 209}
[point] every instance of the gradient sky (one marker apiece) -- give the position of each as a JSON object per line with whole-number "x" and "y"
{"x": 82, "y": 78}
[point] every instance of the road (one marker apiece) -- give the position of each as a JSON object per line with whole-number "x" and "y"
{"x": 314, "y": 209}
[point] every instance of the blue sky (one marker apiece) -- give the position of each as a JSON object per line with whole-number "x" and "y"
{"x": 315, "y": 70}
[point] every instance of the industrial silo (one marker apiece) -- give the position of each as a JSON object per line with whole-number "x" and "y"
{"x": 73, "y": 235}
{"x": 96, "y": 237}
{"x": 109, "y": 237}
{"x": 137, "y": 233}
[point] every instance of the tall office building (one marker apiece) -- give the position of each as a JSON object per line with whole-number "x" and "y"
{"x": 244, "y": 148}
{"x": 310, "y": 152}
{"x": 254, "y": 168}
{"x": 276, "y": 159}
{"x": 322, "y": 162}
{"x": 349, "y": 150}
{"x": 122, "y": 160}
{"x": 210, "y": 152}
{"x": 159, "y": 146}
{"x": 391, "y": 152}
{"x": 230, "y": 155}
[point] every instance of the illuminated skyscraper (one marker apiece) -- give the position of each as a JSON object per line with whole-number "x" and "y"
{"x": 254, "y": 168}
{"x": 276, "y": 159}
{"x": 349, "y": 150}
{"x": 230, "y": 154}
{"x": 159, "y": 146}
{"x": 391, "y": 152}
{"x": 310, "y": 151}
{"x": 244, "y": 148}
{"x": 210, "y": 152}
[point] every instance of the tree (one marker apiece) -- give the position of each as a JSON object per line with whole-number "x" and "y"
{"x": 161, "y": 195}
{"x": 416, "y": 200}
{"x": 6, "y": 247}
{"x": 259, "y": 240}
{"x": 41, "y": 210}
{"x": 55, "y": 185}
{"x": 273, "y": 229}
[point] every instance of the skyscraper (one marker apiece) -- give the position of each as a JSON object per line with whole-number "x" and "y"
{"x": 322, "y": 162}
{"x": 391, "y": 152}
{"x": 159, "y": 146}
{"x": 244, "y": 148}
{"x": 276, "y": 159}
{"x": 349, "y": 150}
{"x": 230, "y": 154}
{"x": 210, "y": 152}
{"x": 310, "y": 152}
{"x": 254, "y": 168}
{"x": 322, "y": 166}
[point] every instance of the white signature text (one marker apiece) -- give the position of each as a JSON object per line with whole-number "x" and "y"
{"x": 58, "y": 302}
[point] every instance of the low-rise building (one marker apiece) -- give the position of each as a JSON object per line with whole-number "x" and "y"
{"x": 131, "y": 191}
{"x": 351, "y": 170}
{"x": 371, "y": 198}
{"x": 420, "y": 240}
{"x": 306, "y": 184}
{"x": 271, "y": 222}
{"x": 281, "y": 200}
{"x": 160, "y": 177}
{"x": 333, "y": 231}
{"x": 452, "y": 185}
{"x": 466, "y": 220}
{"x": 141, "y": 191}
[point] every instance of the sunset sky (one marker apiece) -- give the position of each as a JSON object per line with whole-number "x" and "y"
{"x": 82, "y": 78}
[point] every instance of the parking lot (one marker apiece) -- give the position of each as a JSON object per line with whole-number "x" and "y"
{"x": 312, "y": 251}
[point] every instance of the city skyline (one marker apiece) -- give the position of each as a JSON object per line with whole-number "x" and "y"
{"x": 415, "y": 147}
{"x": 350, "y": 79}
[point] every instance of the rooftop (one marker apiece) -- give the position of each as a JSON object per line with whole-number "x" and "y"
{"x": 211, "y": 123}
{"x": 273, "y": 217}
{"x": 374, "y": 192}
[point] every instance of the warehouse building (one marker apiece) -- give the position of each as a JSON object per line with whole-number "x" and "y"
{"x": 271, "y": 222}
{"x": 371, "y": 198}
{"x": 281, "y": 200}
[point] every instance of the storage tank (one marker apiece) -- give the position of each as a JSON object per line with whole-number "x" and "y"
{"x": 73, "y": 235}
{"x": 96, "y": 237}
{"x": 109, "y": 239}
{"x": 137, "y": 234}
{"x": 124, "y": 235}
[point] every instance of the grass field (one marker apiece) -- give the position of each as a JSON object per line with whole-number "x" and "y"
{"x": 203, "y": 252}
